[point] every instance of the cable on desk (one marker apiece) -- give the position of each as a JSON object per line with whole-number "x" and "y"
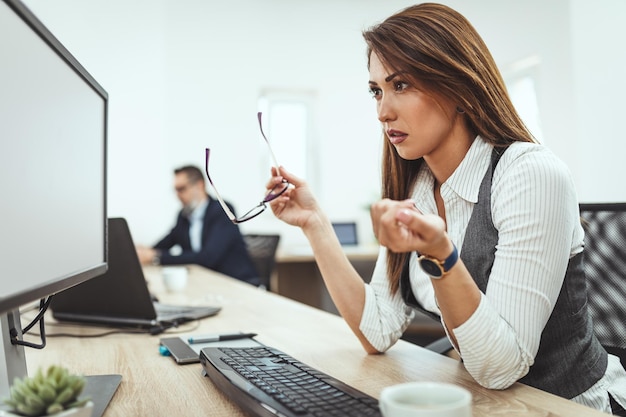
{"x": 152, "y": 331}
{"x": 43, "y": 306}
{"x": 87, "y": 336}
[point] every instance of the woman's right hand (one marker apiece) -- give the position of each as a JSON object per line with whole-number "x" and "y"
{"x": 296, "y": 206}
{"x": 399, "y": 226}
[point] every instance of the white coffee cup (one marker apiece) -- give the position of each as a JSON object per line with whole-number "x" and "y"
{"x": 174, "y": 278}
{"x": 425, "y": 399}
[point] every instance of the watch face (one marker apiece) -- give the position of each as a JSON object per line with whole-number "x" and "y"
{"x": 432, "y": 268}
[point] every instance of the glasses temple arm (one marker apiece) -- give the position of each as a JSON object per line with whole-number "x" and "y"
{"x": 267, "y": 141}
{"x": 225, "y": 207}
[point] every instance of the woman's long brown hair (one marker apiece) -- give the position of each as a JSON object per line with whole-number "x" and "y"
{"x": 437, "y": 48}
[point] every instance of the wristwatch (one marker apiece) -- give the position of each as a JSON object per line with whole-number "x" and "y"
{"x": 437, "y": 268}
{"x": 156, "y": 259}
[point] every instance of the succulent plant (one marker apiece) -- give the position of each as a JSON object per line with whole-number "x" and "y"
{"x": 46, "y": 394}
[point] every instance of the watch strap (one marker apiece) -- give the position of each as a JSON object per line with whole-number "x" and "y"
{"x": 451, "y": 260}
{"x": 443, "y": 265}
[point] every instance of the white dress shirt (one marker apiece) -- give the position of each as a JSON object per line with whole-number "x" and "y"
{"x": 535, "y": 210}
{"x": 196, "y": 222}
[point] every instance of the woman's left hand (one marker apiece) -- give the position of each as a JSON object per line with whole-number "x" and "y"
{"x": 400, "y": 227}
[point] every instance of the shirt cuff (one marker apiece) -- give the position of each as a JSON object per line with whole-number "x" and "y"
{"x": 156, "y": 259}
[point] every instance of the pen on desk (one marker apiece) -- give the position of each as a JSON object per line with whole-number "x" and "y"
{"x": 219, "y": 338}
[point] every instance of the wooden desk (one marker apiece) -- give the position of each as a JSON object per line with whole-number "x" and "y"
{"x": 297, "y": 276}
{"x": 304, "y": 253}
{"x": 154, "y": 385}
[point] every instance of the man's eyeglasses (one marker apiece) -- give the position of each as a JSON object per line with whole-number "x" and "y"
{"x": 181, "y": 188}
{"x": 258, "y": 209}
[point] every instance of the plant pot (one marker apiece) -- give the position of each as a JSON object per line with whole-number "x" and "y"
{"x": 84, "y": 411}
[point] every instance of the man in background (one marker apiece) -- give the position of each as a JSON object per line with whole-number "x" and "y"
{"x": 206, "y": 236}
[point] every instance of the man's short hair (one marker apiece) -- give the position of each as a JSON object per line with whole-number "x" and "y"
{"x": 194, "y": 174}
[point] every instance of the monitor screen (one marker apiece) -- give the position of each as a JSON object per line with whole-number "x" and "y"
{"x": 53, "y": 128}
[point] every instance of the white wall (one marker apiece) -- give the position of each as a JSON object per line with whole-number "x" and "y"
{"x": 599, "y": 59}
{"x": 186, "y": 74}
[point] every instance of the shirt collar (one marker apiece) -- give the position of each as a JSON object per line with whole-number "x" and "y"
{"x": 465, "y": 180}
{"x": 467, "y": 177}
{"x": 198, "y": 212}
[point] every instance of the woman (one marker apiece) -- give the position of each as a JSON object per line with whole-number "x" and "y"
{"x": 479, "y": 224}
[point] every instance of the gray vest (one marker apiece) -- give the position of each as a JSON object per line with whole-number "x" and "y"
{"x": 570, "y": 359}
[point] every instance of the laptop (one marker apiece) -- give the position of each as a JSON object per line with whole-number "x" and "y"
{"x": 346, "y": 232}
{"x": 120, "y": 297}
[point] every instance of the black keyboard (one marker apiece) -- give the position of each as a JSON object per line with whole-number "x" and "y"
{"x": 267, "y": 382}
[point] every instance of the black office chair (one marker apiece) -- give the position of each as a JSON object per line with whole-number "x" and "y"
{"x": 262, "y": 249}
{"x": 605, "y": 267}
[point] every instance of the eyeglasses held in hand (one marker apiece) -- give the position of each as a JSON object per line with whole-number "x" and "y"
{"x": 259, "y": 208}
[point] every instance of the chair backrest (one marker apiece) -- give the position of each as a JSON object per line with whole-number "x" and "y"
{"x": 262, "y": 249}
{"x": 605, "y": 267}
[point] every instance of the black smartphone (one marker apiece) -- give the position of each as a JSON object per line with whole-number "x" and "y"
{"x": 180, "y": 351}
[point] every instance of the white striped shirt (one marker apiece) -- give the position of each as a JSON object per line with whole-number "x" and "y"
{"x": 535, "y": 210}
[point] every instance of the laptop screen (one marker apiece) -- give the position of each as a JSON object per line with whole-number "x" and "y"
{"x": 346, "y": 232}
{"x": 121, "y": 295}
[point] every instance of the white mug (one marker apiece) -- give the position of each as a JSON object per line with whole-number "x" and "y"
{"x": 175, "y": 278}
{"x": 425, "y": 399}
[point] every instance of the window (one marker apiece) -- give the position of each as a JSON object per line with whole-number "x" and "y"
{"x": 520, "y": 80}
{"x": 287, "y": 123}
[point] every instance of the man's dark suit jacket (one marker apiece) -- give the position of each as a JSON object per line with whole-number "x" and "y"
{"x": 223, "y": 248}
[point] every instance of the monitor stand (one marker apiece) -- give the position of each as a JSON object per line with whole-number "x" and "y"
{"x": 100, "y": 388}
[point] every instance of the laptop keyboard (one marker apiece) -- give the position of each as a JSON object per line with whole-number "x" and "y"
{"x": 171, "y": 309}
{"x": 268, "y": 382}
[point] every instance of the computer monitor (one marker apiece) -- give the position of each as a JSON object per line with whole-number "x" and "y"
{"x": 53, "y": 220}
